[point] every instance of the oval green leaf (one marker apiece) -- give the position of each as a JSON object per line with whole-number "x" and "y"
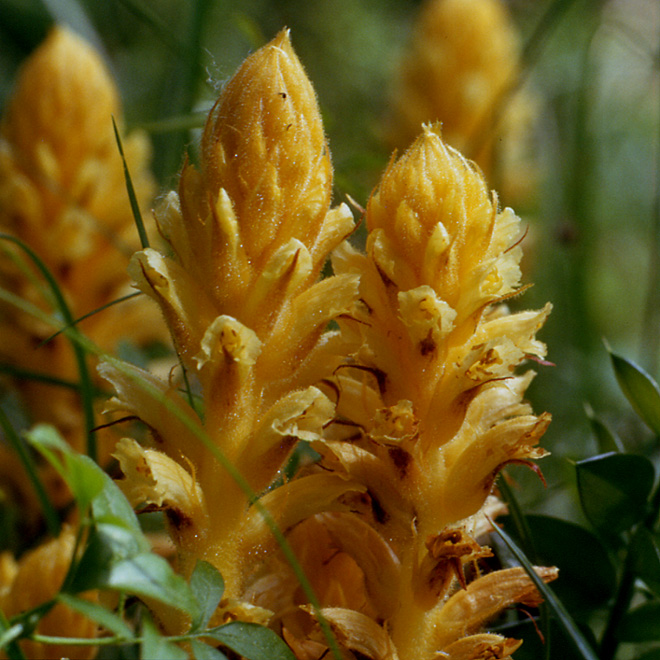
{"x": 588, "y": 577}
{"x": 614, "y": 489}
{"x": 149, "y": 575}
{"x": 646, "y": 559}
{"x": 203, "y": 651}
{"x": 252, "y": 641}
{"x": 640, "y": 389}
{"x": 207, "y": 587}
{"x": 109, "y": 620}
{"x": 641, "y": 624}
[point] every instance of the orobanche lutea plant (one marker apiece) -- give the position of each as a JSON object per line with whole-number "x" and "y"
{"x": 413, "y": 402}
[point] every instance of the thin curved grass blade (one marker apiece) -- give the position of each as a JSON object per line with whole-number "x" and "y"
{"x": 86, "y": 387}
{"x": 564, "y": 619}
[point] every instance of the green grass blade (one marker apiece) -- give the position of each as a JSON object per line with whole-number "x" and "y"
{"x": 564, "y": 619}
{"x": 182, "y": 80}
{"x": 27, "y": 374}
{"x": 135, "y": 207}
{"x": 89, "y": 314}
{"x": 86, "y": 386}
{"x": 50, "y": 514}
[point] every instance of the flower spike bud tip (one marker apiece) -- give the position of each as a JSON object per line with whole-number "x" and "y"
{"x": 264, "y": 144}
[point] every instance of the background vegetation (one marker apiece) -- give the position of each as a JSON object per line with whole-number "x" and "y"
{"x": 593, "y": 247}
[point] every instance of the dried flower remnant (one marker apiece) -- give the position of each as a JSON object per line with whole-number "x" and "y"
{"x": 35, "y": 579}
{"x": 63, "y": 193}
{"x": 463, "y": 59}
{"x": 249, "y": 233}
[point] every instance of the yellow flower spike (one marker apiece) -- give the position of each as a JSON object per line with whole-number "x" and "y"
{"x": 36, "y": 578}
{"x": 248, "y": 234}
{"x": 463, "y": 56}
{"x": 63, "y": 193}
{"x": 441, "y": 316}
{"x": 431, "y": 400}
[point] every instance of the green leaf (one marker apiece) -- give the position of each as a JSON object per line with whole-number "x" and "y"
{"x": 104, "y": 617}
{"x": 157, "y": 647}
{"x": 148, "y": 575}
{"x": 641, "y": 624}
{"x": 107, "y": 545}
{"x": 252, "y": 641}
{"x": 653, "y": 654}
{"x": 588, "y": 577}
{"x": 564, "y": 619}
{"x": 207, "y": 587}
{"x": 646, "y": 559}
{"x": 82, "y": 474}
{"x": 640, "y": 389}
{"x": 203, "y": 651}
{"x": 607, "y": 440}
{"x": 614, "y": 489}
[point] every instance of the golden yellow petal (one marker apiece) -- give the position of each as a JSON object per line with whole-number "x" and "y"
{"x": 469, "y": 609}
{"x": 483, "y": 646}
{"x": 36, "y": 579}
{"x": 360, "y": 633}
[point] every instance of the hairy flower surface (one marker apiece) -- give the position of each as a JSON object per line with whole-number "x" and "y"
{"x": 414, "y": 405}
{"x": 63, "y": 193}
{"x": 463, "y": 58}
{"x": 249, "y": 233}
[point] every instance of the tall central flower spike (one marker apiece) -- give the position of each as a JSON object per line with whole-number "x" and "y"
{"x": 430, "y": 408}
{"x": 249, "y": 233}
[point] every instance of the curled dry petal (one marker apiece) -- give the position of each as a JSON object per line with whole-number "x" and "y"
{"x": 469, "y": 609}
{"x": 359, "y": 633}
{"x": 153, "y": 479}
{"x": 484, "y": 646}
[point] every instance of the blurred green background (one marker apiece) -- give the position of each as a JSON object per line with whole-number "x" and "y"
{"x": 593, "y": 247}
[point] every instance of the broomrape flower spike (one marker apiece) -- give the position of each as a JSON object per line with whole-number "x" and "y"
{"x": 62, "y": 193}
{"x": 432, "y": 401}
{"x": 460, "y": 68}
{"x": 248, "y": 234}
{"x": 414, "y": 405}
